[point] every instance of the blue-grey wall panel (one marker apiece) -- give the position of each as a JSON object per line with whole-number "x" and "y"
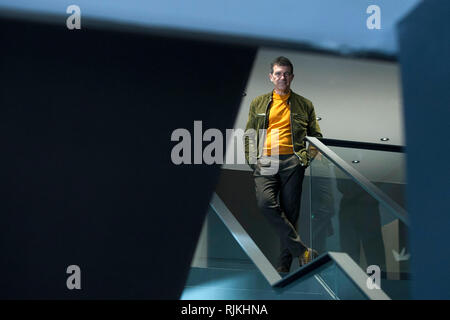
{"x": 425, "y": 65}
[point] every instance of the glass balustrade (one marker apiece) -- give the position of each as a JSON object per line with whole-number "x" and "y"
{"x": 347, "y": 217}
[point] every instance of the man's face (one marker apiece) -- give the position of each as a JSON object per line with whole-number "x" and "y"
{"x": 281, "y": 77}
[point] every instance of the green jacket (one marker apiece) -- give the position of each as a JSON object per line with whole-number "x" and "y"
{"x": 303, "y": 123}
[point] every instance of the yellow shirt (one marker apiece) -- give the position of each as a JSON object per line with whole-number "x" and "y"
{"x": 280, "y": 119}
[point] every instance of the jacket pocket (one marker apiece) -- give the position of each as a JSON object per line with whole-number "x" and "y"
{"x": 300, "y": 119}
{"x": 299, "y": 126}
{"x": 299, "y": 131}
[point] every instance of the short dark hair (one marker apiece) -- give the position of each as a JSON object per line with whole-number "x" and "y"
{"x": 281, "y": 61}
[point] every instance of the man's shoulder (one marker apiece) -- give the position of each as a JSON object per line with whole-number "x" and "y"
{"x": 263, "y": 97}
{"x": 301, "y": 99}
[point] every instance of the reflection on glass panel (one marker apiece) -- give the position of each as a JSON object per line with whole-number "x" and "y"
{"x": 337, "y": 283}
{"x": 218, "y": 249}
{"x": 345, "y": 218}
{"x": 384, "y": 169}
{"x": 333, "y": 281}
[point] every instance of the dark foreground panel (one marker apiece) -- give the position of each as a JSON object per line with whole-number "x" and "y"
{"x": 86, "y": 176}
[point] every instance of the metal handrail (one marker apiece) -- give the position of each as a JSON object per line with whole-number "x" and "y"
{"x": 362, "y": 145}
{"x": 368, "y": 186}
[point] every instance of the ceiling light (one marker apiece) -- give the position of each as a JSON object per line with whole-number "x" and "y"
{"x": 384, "y": 139}
{"x": 355, "y": 161}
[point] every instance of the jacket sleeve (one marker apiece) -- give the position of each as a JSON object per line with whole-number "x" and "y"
{"x": 313, "y": 124}
{"x": 250, "y": 137}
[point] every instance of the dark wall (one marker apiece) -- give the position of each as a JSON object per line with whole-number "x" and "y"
{"x": 86, "y": 118}
{"x": 425, "y": 68}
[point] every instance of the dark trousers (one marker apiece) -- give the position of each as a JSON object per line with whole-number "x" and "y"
{"x": 278, "y": 195}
